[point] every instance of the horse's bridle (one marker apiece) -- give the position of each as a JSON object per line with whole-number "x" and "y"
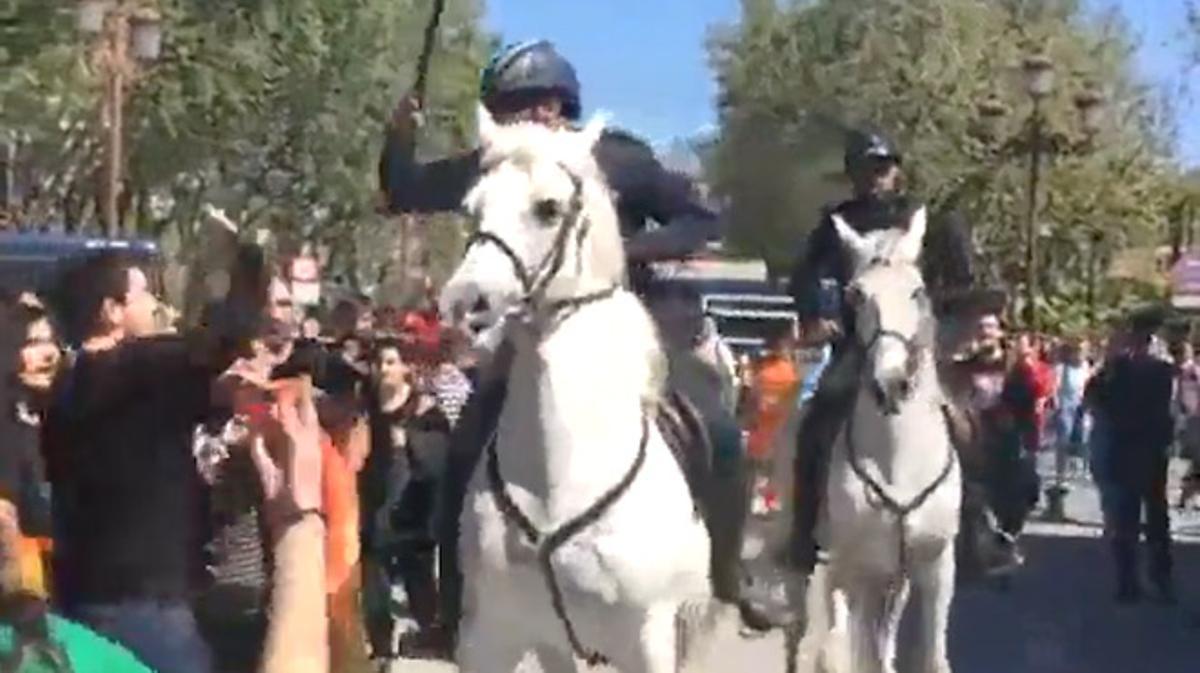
{"x": 535, "y": 282}
{"x": 913, "y": 349}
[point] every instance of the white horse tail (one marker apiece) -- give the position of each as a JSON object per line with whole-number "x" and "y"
{"x": 694, "y": 621}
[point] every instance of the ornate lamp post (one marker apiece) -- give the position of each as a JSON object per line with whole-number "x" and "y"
{"x": 1039, "y": 83}
{"x": 1039, "y": 76}
{"x": 128, "y": 35}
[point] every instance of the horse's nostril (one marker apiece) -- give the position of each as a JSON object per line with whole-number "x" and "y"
{"x": 905, "y": 388}
{"x": 481, "y": 305}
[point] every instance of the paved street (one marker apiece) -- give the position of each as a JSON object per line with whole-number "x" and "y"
{"x": 1056, "y": 616}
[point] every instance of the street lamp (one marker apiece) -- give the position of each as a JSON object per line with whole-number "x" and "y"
{"x": 1039, "y": 83}
{"x": 1090, "y": 104}
{"x": 121, "y": 27}
{"x": 91, "y": 15}
{"x": 1039, "y": 80}
{"x": 1095, "y": 241}
{"x": 146, "y": 35}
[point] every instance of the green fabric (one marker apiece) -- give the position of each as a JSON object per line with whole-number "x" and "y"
{"x": 88, "y": 651}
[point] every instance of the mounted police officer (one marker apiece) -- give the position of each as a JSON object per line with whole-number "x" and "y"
{"x": 531, "y": 82}
{"x": 873, "y": 165}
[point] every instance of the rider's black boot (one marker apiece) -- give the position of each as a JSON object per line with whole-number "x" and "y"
{"x": 815, "y": 439}
{"x": 475, "y": 425}
{"x": 726, "y": 509}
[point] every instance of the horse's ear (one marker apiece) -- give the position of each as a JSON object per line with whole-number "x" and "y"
{"x": 855, "y": 242}
{"x": 487, "y": 126}
{"x": 590, "y": 135}
{"x": 909, "y": 248}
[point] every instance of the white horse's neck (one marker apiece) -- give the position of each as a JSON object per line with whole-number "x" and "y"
{"x": 907, "y": 450}
{"x": 571, "y": 424}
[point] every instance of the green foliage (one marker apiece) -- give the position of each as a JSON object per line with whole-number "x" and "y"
{"x": 271, "y": 109}
{"x": 794, "y": 76}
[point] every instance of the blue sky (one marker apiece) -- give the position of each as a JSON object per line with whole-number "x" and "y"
{"x": 644, "y": 61}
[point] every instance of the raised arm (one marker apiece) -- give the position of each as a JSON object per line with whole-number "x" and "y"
{"x": 288, "y": 458}
{"x": 411, "y": 186}
{"x": 645, "y": 189}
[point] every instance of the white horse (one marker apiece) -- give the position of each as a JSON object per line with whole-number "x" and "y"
{"x": 891, "y": 509}
{"x": 579, "y": 535}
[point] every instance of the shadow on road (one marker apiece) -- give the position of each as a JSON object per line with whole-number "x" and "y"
{"x": 1058, "y": 616}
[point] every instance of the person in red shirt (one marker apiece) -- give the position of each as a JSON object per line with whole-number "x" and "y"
{"x": 1028, "y": 390}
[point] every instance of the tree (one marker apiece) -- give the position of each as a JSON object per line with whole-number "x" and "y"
{"x": 793, "y": 77}
{"x": 271, "y": 109}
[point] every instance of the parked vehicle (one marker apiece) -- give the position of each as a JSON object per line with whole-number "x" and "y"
{"x": 737, "y": 294}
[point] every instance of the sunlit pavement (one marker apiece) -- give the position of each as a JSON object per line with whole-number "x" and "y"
{"x": 1055, "y": 616}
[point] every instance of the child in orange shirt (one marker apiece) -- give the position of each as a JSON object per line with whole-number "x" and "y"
{"x": 774, "y": 385}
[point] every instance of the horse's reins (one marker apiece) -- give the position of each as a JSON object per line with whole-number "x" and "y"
{"x": 885, "y": 501}
{"x": 549, "y": 542}
{"x": 534, "y": 285}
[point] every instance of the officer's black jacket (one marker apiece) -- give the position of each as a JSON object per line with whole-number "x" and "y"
{"x": 643, "y": 188}
{"x": 822, "y": 268}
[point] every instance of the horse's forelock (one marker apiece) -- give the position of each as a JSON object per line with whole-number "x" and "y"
{"x": 526, "y": 143}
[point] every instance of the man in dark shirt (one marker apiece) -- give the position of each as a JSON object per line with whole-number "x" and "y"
{"x": 127, "y": 494}
{"x": 532, "y": 83}
{"x": 1135, "y": 396}
{"x": 821, "y": 273}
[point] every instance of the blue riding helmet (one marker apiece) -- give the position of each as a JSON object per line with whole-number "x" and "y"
{"x": 529, "y": 67}
{"x": 865, "y": 146}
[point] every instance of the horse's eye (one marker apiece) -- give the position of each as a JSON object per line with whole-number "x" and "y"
{"x": 547, "y": 210}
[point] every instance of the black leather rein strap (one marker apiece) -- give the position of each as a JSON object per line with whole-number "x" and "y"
{"x": 548, "y": 543}
{"x": 890, "y": 504}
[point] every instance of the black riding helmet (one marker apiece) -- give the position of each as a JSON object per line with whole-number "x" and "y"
{"x": 866, "y": 147}
{"x": 530, "y": 68}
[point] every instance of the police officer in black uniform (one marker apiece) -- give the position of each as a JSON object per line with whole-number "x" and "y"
{"x": 532, "y": 82}
{"x": 873, "y": 165}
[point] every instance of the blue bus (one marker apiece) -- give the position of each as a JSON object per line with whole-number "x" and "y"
{"x": 35, "y": 261}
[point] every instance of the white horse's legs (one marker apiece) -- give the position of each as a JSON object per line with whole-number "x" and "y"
{"x": 834, "y": 653}
{"x": 484, "y": 647}
{"x": 897, "y": 598}
{"x": 553, "y": 659}
{"x": 653, "y": 644}
{"x": 875, "y": 606}
{"x": 936, "y": 584}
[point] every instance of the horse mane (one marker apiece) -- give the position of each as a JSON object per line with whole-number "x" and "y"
{"x": 525, "y": 143}
{"x": 884, "y": 245}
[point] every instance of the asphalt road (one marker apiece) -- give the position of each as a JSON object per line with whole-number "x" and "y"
{"x": 1055, "y": 616}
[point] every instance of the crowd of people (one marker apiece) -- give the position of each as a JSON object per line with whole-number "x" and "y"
{"x": 245, "y": 491}
{"x": 208, "y": 498}
{"x": 159, "y": 503}
{"x": 1115, "y": 411}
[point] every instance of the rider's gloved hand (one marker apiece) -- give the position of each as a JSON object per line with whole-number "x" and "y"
{"x": 820, "y": 331}
{"x": 407, "y": 116}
